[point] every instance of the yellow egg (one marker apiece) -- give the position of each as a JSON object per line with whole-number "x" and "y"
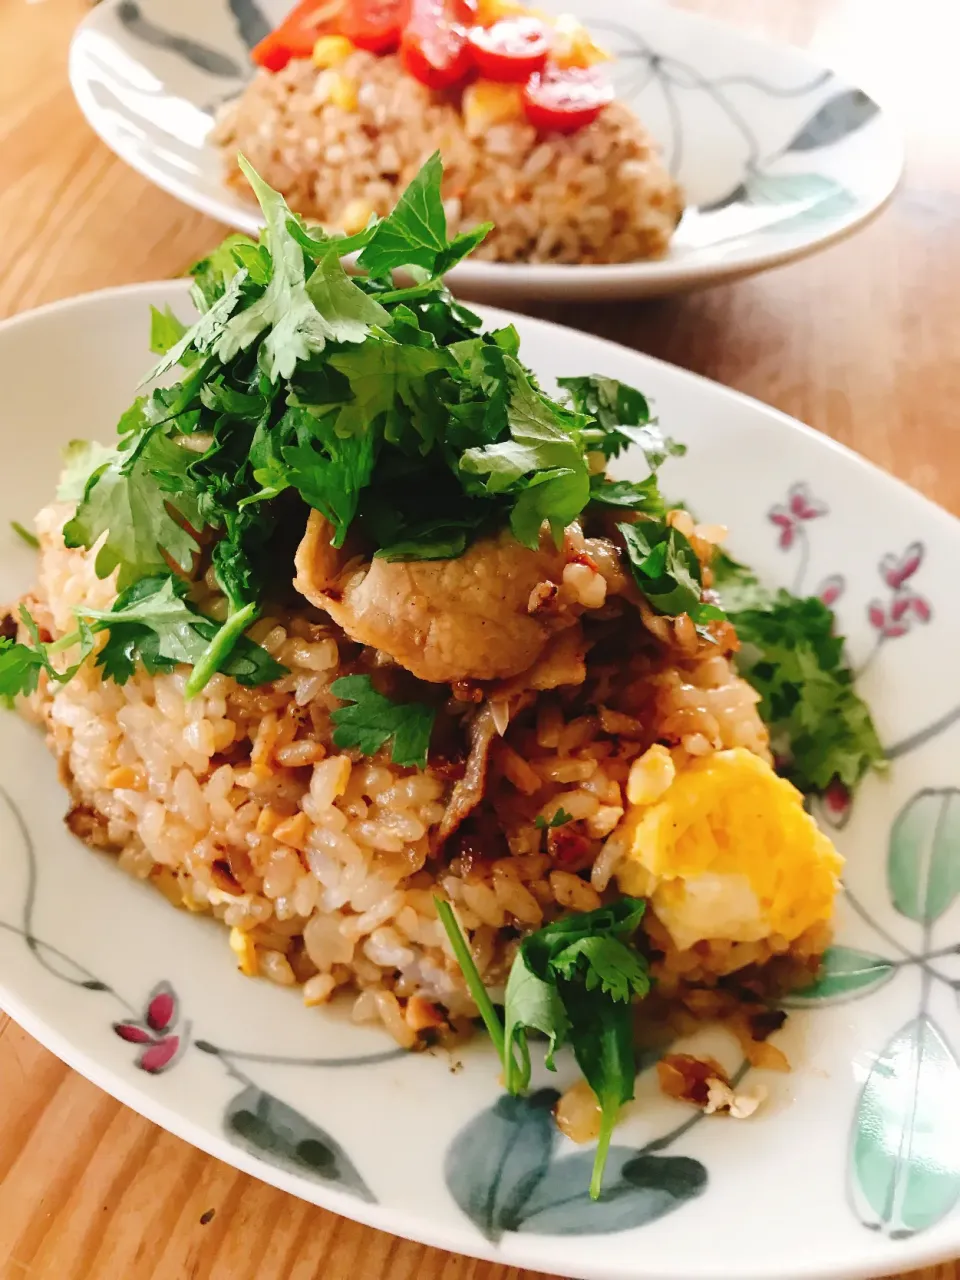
{"x": 728, "y": 851}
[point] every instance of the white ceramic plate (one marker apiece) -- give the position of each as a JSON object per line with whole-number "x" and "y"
{"x": 853, "y": 1167}
{"x": 778, "y": 156}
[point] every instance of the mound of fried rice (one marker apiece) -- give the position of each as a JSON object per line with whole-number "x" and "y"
{"x": 342, "y": 145}
{"x": 323, "y": 864}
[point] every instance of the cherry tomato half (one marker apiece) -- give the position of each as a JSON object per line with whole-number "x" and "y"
{"x": 565, "y": 99}
{"x": 375, "y": 25}
{"x": 512, "y": 49}
{"x": 295, "y": 36}
{"x": 435, "y": 49}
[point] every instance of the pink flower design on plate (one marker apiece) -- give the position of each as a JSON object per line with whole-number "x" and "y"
{"x": 836, "y": 804}
{"x": 895, "y": 570}
{"x": 801, "y": 505}
{"x": 162, "y": 1042}
{"x": 831, "y": 589}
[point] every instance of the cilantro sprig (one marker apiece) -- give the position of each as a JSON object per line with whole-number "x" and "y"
{"x": 573, "y": 982}
{"x": 380, "y": 404}
{"x": 820, "y": 727}
{"x": 151, "y": 625}
{"x": 371, "y": 720}
{"x": 666, "y": 569}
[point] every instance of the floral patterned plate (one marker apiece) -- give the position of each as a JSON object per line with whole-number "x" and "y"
{"x": 778, "y": 155}
{"x": 853, "y": 1166}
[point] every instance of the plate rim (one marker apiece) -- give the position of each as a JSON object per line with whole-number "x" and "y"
{"x": 651, "y": 277}
{"x": 548, "y": 1251}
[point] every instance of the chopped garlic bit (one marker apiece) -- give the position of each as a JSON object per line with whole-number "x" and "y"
{"x": 721, "y": 1100}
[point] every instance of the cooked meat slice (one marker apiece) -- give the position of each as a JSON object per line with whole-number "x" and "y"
{"x": 468, "y": 792}
{"x": 444, "y": 620}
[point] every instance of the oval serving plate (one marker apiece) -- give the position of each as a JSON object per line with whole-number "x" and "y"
{"x": 778, "y": 156}
{"x": 853, "y": 1166}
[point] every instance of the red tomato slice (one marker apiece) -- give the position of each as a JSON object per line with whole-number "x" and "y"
{"x": 375, "y": 25}
{"x": 435, "y": 49}
{"x": 565, "y": 99}
{"x": 512, "y": 49}
{"x": 295, "y": 36}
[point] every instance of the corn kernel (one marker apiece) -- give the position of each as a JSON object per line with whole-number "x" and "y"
{"x": 343, "y": 93}
{"x": 574, "y": 46}
{"x": 330, "y": 51}
{"x": 650, "y": 775}
{"x": 356, "y": 214}
{"x": 486, "y": 103}
{"x": 242, "y": 946}
{"x": 268, "y": 821}
{"x": 123, "y": 777}
{"x": 293, "y": 831}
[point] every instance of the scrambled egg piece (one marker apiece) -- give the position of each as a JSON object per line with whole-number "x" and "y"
{"x": 725, "y": 849}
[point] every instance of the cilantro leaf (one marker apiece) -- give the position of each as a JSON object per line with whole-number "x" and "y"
{"x": 574, "y": 981}
{"x": 348, "y": 312}
{"x": 135, "y": 501}
{"x": 819, "y": 725}
{"x": 20, "y": 667}
{"x": 644, "y": 496}
{"x": 287, "y": 313}
{"x": 153, "y": 625}
{"x": 415, "y": 233}
{"x": 381, "y": 376}
{"x": 373, "y": 720}
{"x": 666, "y": 569}
{"x": 81, "y": 460}
{"x": 559, "y": 819}
{"x": 212, "y": 274}
{"x": 21, "y": 664}
{"x": 165, "y": 330}
{"x": 541, "y": 462}
{"x": 207, "y": 333}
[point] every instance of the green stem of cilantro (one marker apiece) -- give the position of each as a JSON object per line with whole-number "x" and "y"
{"x": 218, "y": 649}
{"x": 411, "y": 292}
{"x": 471, "y": 974}
{"x": 29, "y": 538}
{"x": 607, "y": 1124}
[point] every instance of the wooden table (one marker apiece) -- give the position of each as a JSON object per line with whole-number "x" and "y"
{"x": 861, "y": 341}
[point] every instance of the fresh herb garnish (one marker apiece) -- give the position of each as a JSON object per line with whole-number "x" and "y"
{"x": 559, "y": 819}
{"x": 820, "y": 728}
{"x": 381, "y": 406}
{"x": 151, "y": 625}
{"x": 666, "y": 569}
{"x": 24, "y": 534}
{"x": 372, "y": 720}
{"x": 471, "y": 975}
{"x": 574, "y": 982}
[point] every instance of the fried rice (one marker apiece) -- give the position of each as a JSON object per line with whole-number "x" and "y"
{"x": 342, "y": 144}
{"x": 323, "y": 865}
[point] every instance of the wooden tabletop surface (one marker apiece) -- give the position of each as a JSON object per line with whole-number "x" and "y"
{"x": 862, "y": 342}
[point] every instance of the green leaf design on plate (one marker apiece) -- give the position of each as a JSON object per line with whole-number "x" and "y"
{"x": 839, "y": 116}
{"x": 272, "y": 1131}
{"x": 502, "y": 1171}
{"x": 494, "y": 1163}
{"x": 637, "y": 1189}
{"x": 804, "y": 198}
{"x": 845, "y": 974}
{"x": 905, "y": 1148}
{"x": 923, "y": 863}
